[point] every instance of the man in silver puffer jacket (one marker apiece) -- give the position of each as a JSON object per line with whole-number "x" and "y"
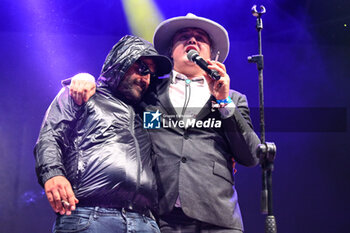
{"x": 94, "y": 160}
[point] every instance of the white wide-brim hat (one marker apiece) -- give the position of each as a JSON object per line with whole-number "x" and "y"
{"x": 165, "y": 31}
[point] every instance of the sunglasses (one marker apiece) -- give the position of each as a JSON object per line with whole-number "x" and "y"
{"x": 143, "y": 69}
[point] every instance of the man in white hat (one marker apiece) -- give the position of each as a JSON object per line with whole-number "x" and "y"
{"x": 193, "y": 162}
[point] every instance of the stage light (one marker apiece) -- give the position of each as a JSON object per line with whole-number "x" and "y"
{"x": 143, "y": 17}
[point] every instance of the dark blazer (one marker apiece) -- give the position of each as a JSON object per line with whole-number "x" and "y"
{"x": 196, "y": 163}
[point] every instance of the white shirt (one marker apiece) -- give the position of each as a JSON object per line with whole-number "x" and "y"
{"x": 197, "y": 94}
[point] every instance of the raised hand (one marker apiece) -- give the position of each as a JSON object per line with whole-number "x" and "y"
{"x": 82, "y": 87}
{"x": 219, "y": 88}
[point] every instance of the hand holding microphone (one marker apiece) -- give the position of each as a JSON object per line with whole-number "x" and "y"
{"x": 219, "y": 85}
{"x": 193, "y": 55}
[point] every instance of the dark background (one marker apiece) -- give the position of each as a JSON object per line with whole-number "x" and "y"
{"x": 306, "y": 45}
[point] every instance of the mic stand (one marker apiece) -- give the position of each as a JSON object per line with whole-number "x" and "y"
{"x": 266, "y": 150}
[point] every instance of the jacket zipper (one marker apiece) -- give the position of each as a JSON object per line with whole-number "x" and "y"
{"x": 137, "y": 148}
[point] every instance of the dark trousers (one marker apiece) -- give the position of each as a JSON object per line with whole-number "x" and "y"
{"x": 177, "y": 222}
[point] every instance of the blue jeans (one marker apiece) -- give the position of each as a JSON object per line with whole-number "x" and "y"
{"x": 104, "y": 220}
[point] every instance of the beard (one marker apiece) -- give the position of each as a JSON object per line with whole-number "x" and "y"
{"x": 131, "y": 90}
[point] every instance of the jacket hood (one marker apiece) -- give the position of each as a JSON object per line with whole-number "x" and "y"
{"x": 124, "y": 54}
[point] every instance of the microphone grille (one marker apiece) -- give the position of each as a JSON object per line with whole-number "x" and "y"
{"x": 191, "y": 55}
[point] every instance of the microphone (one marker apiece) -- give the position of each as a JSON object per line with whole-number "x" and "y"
{"x": 193, "y": 55}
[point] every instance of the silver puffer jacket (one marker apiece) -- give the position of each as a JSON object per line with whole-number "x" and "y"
{"x": 101, "y": 147}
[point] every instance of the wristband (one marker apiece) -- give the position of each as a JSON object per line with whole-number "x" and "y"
{"x": 225, "y": 101}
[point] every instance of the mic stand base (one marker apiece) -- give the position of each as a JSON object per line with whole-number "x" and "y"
{"x": 270, "y": 224}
